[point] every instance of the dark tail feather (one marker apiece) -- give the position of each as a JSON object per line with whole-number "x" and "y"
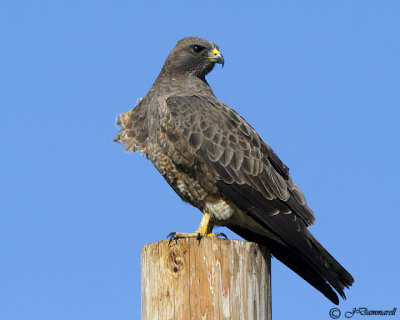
{"x": 340, "y": 277}
{"x": 316, "y": 273}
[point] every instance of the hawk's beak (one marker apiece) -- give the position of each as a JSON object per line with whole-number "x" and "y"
{"x": 215, "y": 56}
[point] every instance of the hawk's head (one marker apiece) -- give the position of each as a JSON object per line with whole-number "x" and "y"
{"x": 193, "y": 55}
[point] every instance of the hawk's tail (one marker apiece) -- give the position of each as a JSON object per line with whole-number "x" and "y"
{"x": 322, "y": 272}
{"x": 342, "y": 278}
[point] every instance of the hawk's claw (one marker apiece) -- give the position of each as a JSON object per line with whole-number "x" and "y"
{"x": 220, "y": 234}
{"x": 172, "y": 236}
{"x": 176, "y": 236}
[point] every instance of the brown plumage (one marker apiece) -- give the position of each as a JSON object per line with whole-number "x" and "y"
{"x": 217, "y": 162}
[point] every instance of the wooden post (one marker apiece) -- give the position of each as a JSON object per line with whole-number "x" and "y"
{"x": 208, "y": 279}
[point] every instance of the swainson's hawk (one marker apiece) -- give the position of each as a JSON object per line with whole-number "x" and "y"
{"x": 217, "y": 162}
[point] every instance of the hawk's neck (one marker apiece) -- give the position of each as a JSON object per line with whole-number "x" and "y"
{"x": 167, "y": 85}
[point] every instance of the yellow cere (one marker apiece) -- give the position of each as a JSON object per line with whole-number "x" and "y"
{"x": 215, "y": 52}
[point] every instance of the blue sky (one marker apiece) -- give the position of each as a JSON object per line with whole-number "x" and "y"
{"x": 319, "y": 80}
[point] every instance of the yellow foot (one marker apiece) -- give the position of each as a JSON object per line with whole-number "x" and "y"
{"x": 198, "y": 235}
{"x": 179, "y": 235}
{"x": 203, "y": 231}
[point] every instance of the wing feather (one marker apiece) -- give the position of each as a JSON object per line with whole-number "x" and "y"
{"x": 235, "y": 151}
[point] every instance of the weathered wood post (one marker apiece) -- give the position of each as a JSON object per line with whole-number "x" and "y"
{"x": 208, "y": 279}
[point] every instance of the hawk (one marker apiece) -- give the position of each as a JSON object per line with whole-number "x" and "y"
{"x": 214, "y": 160}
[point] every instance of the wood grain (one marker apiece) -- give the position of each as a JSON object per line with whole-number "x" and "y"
{"x": 208, "y": 279}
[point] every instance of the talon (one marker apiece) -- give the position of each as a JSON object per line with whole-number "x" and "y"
{"x": 220, "y": 234}
{"x": 204, "y": 230}
{"x": 172, "y": 236}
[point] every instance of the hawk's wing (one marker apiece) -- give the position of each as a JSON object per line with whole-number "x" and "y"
{"x": 252, "y": 176}
{"x": 237, "y": 153}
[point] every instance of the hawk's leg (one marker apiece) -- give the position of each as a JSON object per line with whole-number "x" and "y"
{"x": 204, "y": 230}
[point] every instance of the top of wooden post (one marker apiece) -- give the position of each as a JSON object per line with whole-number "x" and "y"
{"x": 207, "y": 279}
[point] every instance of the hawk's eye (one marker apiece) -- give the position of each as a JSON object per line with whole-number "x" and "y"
{"x": 198, "y": 49}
